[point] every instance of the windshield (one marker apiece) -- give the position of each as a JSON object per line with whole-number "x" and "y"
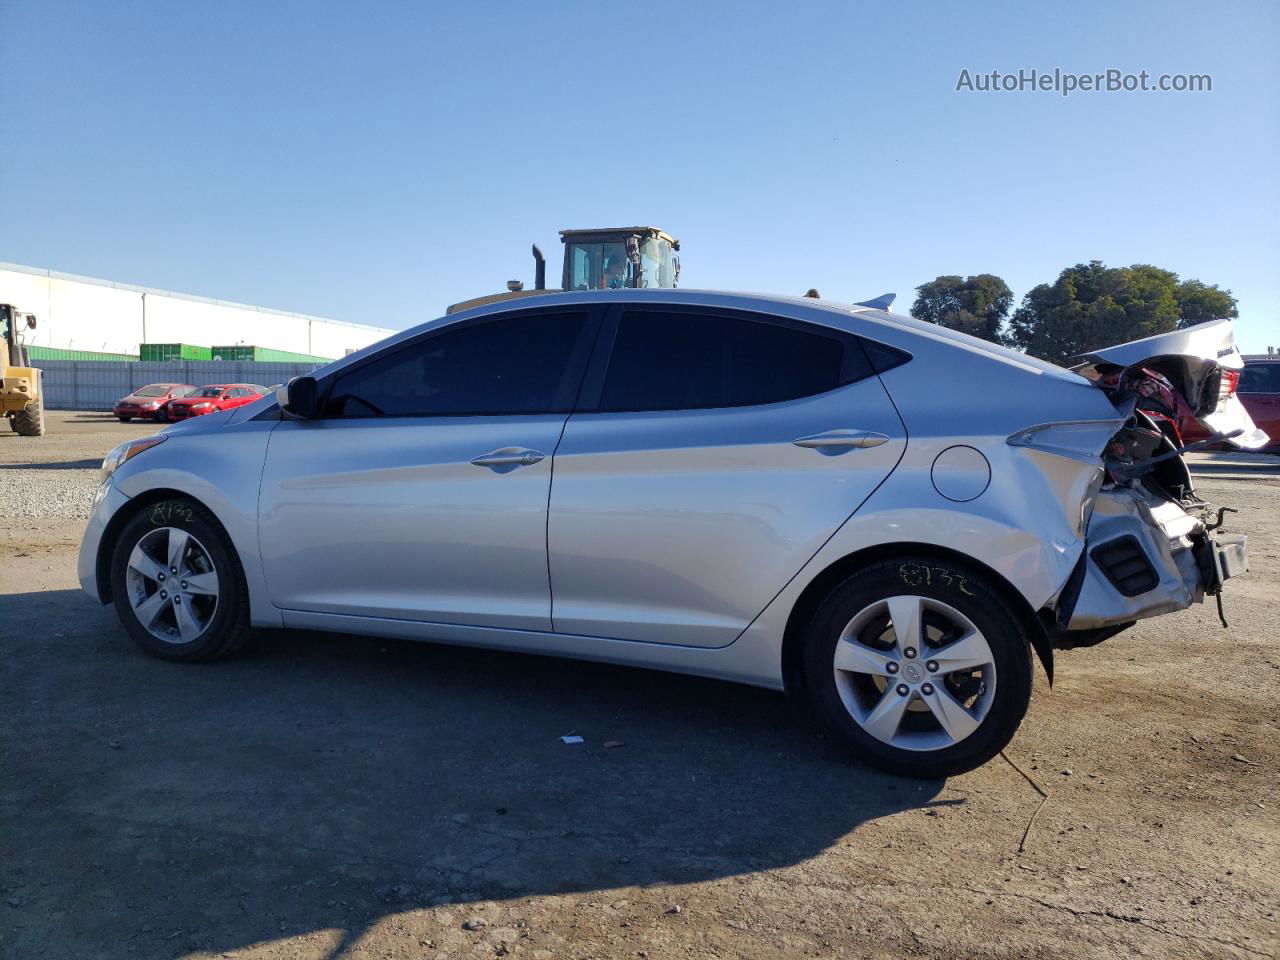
{"x": 154, "y": 390}
{"x": 597, "y": 266}
{"x": 207, "y": 392}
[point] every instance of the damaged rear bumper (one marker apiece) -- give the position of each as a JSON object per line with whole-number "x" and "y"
{"x": 1145, "y": 556}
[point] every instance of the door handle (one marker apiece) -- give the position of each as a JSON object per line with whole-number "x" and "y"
{"x": 842, "y": 439}
{"x": 509, "y": 457}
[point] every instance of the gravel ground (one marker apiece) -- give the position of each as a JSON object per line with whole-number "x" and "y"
{"x": 54, "y": 477}
{"x": 335, "y": 797}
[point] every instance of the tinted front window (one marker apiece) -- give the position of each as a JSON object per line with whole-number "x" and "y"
{"x": 208, "y": 392}
{"x": 1260, "y": 378}
{"x": 518, "y": 365}
{"x": 672, "y": 361}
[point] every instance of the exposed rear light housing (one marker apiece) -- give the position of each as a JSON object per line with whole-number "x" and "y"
{"x": 1218, "y": 389}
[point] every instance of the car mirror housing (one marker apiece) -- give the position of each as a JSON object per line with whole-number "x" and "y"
{"x": 298, "y": 397}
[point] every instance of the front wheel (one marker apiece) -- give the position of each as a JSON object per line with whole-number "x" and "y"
{"x": 28, "y": 422}
{"x": 919, "y": 666}
{"x": 177, "y": 584}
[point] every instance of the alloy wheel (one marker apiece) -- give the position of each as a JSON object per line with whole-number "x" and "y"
{"x": 915, "y": 672}
{"x": 172, "y": 585}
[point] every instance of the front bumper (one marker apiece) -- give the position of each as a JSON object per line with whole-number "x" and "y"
{"x": 106, "y": 502}
{"x": 1145, "y": 556}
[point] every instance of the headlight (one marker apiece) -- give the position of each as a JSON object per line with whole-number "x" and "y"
{"x": 127, "y": 451}
{"x": 202, "y": 406}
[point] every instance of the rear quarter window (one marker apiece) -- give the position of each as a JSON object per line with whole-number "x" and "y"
{"x": 678, "y": 360}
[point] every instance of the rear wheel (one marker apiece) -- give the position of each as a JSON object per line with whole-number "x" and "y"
{"x": 918, "y": 665}
{"x": 124, "y": 419}
{"x": 29, "y": 422}
{"x": 177, "y": 584}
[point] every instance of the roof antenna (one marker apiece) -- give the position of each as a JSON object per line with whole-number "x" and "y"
{"x": 882, "y": 302}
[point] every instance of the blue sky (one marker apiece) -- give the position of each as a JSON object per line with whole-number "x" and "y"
{"x": 377, "y": 161}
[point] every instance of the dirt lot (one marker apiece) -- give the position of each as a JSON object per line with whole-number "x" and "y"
{"x": 330, "y": 796}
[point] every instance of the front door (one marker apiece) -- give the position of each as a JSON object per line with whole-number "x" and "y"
{"x": 721, "y": 453}
{"x": 421, "y": 493}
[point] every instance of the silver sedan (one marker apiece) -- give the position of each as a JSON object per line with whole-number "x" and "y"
{"x": 884, "y": 517}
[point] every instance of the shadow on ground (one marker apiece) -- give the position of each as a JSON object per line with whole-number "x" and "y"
{"x": 93, "y": 463}
{"x": 322, "y": 782}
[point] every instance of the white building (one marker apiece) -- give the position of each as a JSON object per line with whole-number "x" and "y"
{"x": 84, "y": 314}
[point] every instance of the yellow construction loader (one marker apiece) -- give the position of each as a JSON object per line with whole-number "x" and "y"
{"x": 19, "y": 383}
{"x": 601, "y": 258}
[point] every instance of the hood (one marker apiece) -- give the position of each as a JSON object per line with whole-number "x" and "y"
{"x": 1202, "y": 363}
{"x": 202, "y": 424}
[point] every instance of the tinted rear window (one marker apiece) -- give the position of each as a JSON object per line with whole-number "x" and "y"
{"x": 672, "y": 361}
{"x": 1260, "y": 378}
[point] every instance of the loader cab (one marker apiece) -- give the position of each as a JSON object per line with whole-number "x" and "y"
{"x": 615, "y": 258}
{"x": 12, "y": 323}
{"x": 604, "y": 258}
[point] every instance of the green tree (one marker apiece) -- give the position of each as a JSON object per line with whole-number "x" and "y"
{"x": 1199, "y": 303}
{"x": 1092, "y": 305}
{"x": 977, "y": 305}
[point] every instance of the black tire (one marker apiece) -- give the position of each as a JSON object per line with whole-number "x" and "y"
{"x": 228, "y": 628}
{"x": 970, "y": 593}
{"x": 162, "y": 416}
{"x": 124, "y": 419}
{"x": 29, "y": 422}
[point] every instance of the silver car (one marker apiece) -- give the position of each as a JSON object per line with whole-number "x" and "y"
{"x": 882, "y": 516}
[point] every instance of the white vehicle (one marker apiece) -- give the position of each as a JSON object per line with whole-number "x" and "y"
{"x": 880, "y": 515}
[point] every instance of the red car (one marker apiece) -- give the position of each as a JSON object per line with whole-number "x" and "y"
{"x": 215, "y": 397}
{"x": 150, "y": 402}
{"x": 1258, "y": 388}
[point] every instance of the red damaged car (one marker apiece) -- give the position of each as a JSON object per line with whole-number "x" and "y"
{"x": 215, "y": 397}
{"x": 150, "y": 402}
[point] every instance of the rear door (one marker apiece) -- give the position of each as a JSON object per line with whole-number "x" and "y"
{"x": 712, "y": 454}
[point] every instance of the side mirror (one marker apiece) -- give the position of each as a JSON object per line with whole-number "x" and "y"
{"x": 298, "y": 397}
{"x": 31, "y": 321}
